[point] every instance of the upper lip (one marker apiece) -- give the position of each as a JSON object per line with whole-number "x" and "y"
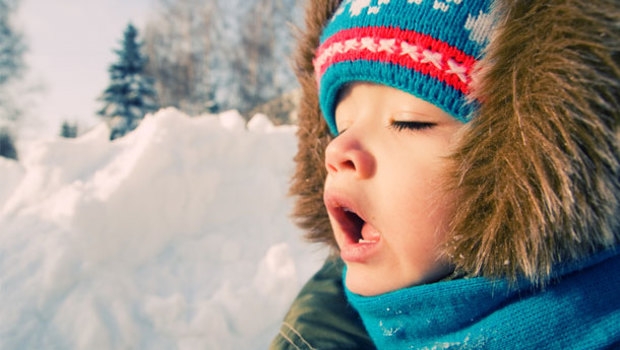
{"x": 346, "y": 215}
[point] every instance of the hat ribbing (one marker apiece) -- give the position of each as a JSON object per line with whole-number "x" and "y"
{"x": 425, "y": 47}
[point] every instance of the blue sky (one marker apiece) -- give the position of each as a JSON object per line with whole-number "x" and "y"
{"x": 71, "y": 45}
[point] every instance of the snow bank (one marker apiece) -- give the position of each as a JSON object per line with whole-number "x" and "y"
{"x": 176, "y": 236}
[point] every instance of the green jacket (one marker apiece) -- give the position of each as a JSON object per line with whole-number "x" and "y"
{"x": 321, "y": 318}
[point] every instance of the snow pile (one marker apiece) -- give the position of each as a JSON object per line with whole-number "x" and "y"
{"x": 176, "y": 236}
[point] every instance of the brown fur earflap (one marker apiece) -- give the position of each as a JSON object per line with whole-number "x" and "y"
{"x": 538, "y": 168}
{"x": 313, "y": 135}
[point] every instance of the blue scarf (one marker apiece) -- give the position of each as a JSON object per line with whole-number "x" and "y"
{"x": 580, "y": 309}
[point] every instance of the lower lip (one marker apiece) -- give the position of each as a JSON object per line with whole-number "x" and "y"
{"x": 354, "y": 252}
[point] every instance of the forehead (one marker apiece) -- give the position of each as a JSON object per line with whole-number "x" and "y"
{"x": 387, "y": 99}
{"x": 346, "y": 89}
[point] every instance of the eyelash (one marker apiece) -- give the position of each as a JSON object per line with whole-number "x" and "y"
{"x": 415, "y": 126}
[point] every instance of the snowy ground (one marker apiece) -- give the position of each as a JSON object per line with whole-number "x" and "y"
{"x": 176, "y": 236}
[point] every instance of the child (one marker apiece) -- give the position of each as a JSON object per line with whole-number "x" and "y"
{"x": 462, "y": 158}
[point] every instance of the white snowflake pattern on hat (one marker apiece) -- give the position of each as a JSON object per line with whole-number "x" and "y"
{"x": 358, "y": 6}
{"x": 479, "y": 27}
{"x": 373, "y": 7}
{"x": 444, "y": 5}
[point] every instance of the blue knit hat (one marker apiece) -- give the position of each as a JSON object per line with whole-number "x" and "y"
{"x": 424, "y": 47}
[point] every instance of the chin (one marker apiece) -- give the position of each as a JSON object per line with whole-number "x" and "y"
{"x": 370, "y": 284}
{"x": 361, "y": 281}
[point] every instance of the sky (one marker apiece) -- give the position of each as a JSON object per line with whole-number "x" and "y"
{"x": 71, "y": 44}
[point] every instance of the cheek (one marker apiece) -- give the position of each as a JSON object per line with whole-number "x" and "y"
{"x": 417, "y": 190}
{"x": 423, "y": 206}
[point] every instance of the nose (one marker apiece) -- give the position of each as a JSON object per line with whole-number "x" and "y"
{"x": 346, "y": 154}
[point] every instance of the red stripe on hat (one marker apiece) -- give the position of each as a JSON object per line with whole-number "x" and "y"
{"x": 404, "y": 48}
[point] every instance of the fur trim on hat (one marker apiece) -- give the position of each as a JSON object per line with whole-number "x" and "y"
{"x": 538, "y": 169}
{"x": 313, "y": 134}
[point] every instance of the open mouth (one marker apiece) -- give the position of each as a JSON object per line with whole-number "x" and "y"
{"x": 355, "y": 228}
{"x": 352, "y": 224}
{"x": 359, "y": 241}
{"x": 355, "y": 225}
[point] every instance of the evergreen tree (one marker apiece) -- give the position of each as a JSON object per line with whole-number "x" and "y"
{"x": 12, "y": 49}
{"x": 7, "y": 144}
{"x": 68, "y": 130}
{"x": 131, "y": 94}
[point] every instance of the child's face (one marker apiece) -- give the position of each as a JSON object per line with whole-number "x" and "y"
{"x": 384, "y": 170}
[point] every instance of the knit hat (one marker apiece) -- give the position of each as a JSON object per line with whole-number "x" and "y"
{"x": 427, "y": 48}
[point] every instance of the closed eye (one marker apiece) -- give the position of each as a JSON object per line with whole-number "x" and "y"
{"x": 411, "y": 125}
